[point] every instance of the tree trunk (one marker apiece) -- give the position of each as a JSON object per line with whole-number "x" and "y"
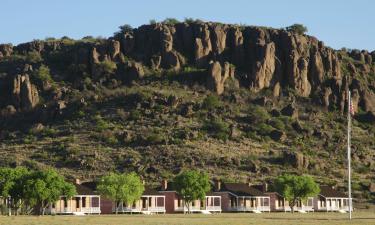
{"x": 117, "y": 206}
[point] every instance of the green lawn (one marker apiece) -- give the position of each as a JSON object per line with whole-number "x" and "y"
{"x": 362, "y": 218}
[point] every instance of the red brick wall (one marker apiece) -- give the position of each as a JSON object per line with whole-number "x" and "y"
{"x": 105, "y": 206}
{"x": 169, "y": 201}
{"x": 224, "y": 201}
{"x": 273, "y": 197}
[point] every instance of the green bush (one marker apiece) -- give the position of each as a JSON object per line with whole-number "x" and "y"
{"x": 264, "y": 129}
{"x": 42, "y": 74}
{"x": 101, "y": 124}
{"x": 135, "y": 114}
{"x": 258, "y": 114}
{"x": 277, "y": 123}
{"x": 108, "y": 66}
{"x": 212, "y": 102}
{"x": 297, "y": 28}
{"x": 33, "y": 57}
{"x": 171, "y": 21}
{"x": 217, "y": 128}
{"x": 155, "y": 138}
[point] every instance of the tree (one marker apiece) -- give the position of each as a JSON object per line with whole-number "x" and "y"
{"x": 192, "y": 185}
{"x": 126, "y": 28}
{"x": 121, "y": 188}
{"x": 42, "y": 188}
{"x": 11, "y": 186}
{"x": 170, "y": 21}
{"x": 297, "y": 28}
{"x": 295, "y": 188}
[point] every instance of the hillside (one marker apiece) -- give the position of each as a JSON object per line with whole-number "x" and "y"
{"x": 236, "y": 101}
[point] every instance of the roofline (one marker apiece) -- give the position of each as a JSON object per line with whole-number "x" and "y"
{"x": 240, "y": 195}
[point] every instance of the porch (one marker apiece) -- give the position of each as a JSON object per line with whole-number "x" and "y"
{"x": 333, "y": 204}
{"x": 250, "y": 203}
{"x": 210, "y": 204}
{"x": 147, "y": 204}
{"x": 80, "y": 204}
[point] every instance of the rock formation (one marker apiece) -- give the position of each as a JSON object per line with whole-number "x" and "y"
{"x": 24, "y": 94}
{"x": 217, "y": 75}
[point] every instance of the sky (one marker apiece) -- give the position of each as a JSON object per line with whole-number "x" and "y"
{"x": 339, "y": 23}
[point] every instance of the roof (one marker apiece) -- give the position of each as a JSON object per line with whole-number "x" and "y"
{"x": 330, "y": 192}
{"x": 91, "y": 186}
{"x": 150, "y": 191}
{"x": 83, "y": 190}
{"x": 241, "y": 189}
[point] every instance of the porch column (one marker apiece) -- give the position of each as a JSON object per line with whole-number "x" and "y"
{"x": 80, "y": 203}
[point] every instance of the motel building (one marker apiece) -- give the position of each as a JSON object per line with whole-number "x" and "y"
{"x": 175, "y": 203}
{"x": 242, "y": 197}
{"x": 151, "y": 202}
{"x": 331, "y": 200}
{"x": 86, "y": 201}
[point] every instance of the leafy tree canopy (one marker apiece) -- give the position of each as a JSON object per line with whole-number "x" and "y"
{"x": 192, "y": 185}
{"x": 42, "y": 188}
{"x": 297, "y": 28}
{"x": 121, "y": 187}
{"x": 295, "y": 188}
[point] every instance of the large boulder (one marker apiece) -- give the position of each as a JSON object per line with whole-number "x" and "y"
{"x": 217, "y": 75}
{"x": 295, "y": 159}
{"x": 290, "y": 110}
{"x": 114, "y": 49}
{"x": 5, "y": 50}
{"x": 24, "y": 94}
{"x": 134, "y": 70}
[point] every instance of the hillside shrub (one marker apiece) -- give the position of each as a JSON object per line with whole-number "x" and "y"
{"x": 212, "y": 102}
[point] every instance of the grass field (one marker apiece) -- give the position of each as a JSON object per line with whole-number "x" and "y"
{"x": 362, "y": 218}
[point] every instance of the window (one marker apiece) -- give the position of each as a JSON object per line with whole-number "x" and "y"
{"x": 193, "y": 203}
{"x": 178, "y": 202}
{"x": 149, "y": 202}
{"x": 77, "y": 202}
{"x": 83, "y": 202}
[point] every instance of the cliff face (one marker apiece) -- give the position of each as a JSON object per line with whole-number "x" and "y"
{"x": 262, "y": 57}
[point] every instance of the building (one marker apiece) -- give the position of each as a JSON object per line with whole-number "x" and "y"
{"x": 279, "y": 204}
{"x": 242, "y": 197}
{"x": 175, "y": 203}
{"x": 151, "y": 202}
{"x": 330, "y": 199}
{"x": 86, "y": 201}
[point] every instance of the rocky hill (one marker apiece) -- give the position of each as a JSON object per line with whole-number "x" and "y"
{"x": 236, "y": 101}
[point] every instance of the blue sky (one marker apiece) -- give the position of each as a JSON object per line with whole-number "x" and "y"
{"x": 339, "y": 23}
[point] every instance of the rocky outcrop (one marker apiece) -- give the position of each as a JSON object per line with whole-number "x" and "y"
{"x": 295, "y": 159}
{"x": 203, "y": 46}
{"x": 134, "y": 71}
{"x": 263, "y": 57}
{"x": 264, "y": 69}
{"x": 5, "y": 50}
{"x": 217, "y": 75}
{"x": 24, "y": 94}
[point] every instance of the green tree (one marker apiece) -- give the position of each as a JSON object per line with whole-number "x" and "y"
{"x": 126, "y": 28}
{"x": 295, "y": 188}
{"x": 171, "y": 21}
{"x": 192, "y": 185}
{"x": 121, "y": 188}
{"x": 42, "y": 188}
{"x": 11, "y": 186}
{"x": 42, "y": 74}
{"x": 297, "y": 28}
